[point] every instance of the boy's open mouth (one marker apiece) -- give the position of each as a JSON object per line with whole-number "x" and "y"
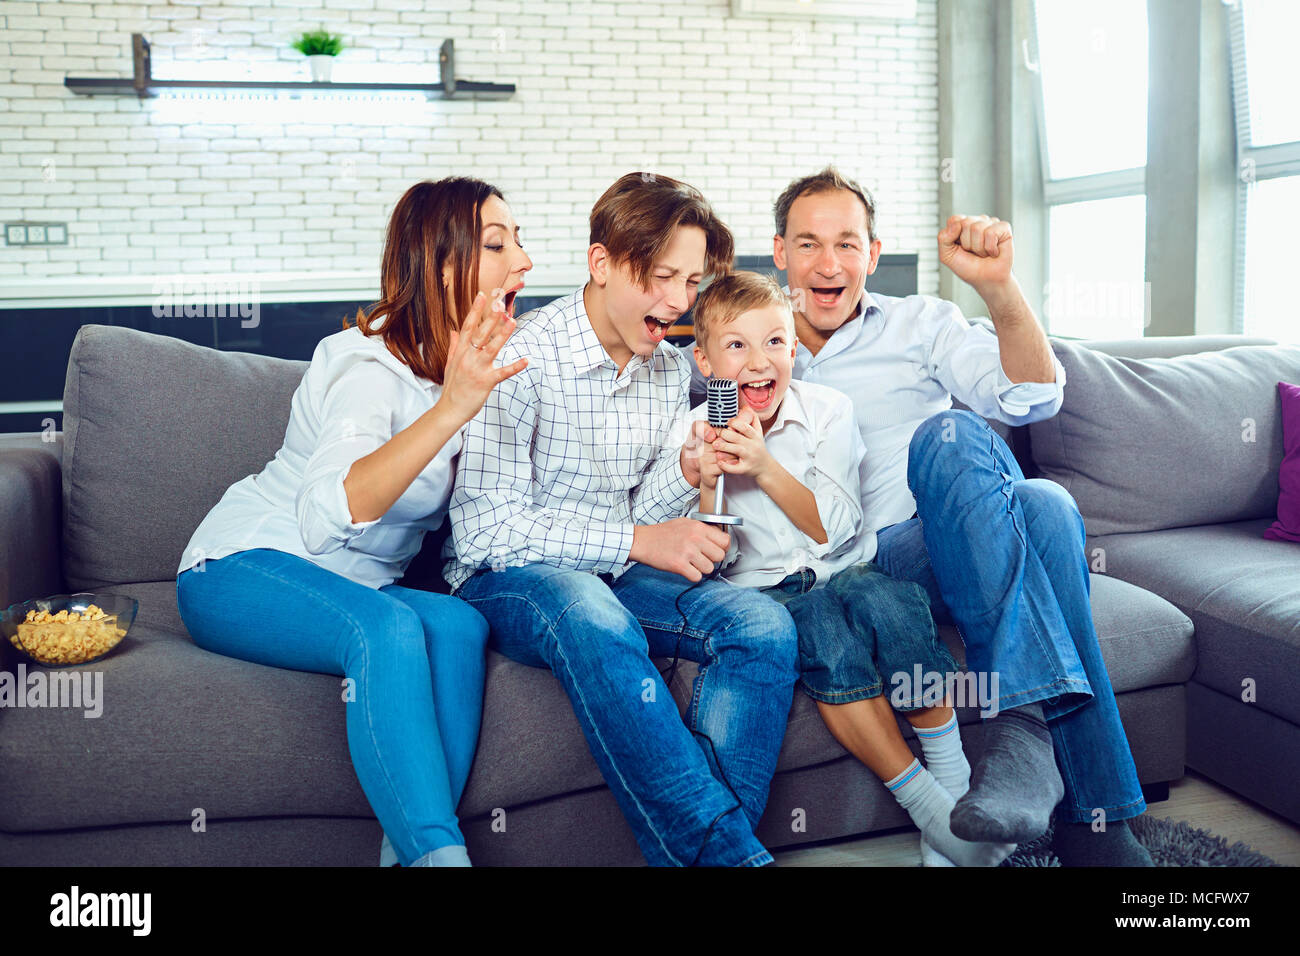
{"x": 657, "y": 327}
{"x": 827, "y": 296}
{"x": 758, "y": 395}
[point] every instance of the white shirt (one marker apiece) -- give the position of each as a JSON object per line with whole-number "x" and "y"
{"x": 901, "y": 360}
{"x": 570, "y": 454}
{"x": 814, "y": 438}
{"x": 354, "y": 396}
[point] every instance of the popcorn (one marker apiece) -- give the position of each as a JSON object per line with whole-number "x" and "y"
{"x": 67, "y": 637}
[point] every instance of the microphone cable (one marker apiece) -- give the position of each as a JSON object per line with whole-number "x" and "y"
{"x": 723, "y": 404}
{"x": 669, "y": 674}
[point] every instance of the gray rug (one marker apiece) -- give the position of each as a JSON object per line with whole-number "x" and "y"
{"x": 1169, "y": 843}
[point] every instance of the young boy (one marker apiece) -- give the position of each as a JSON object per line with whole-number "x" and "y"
{"x": 793, "y": 457}
{"x": 567, "y": 538}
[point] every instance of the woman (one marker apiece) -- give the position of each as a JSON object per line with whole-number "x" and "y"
{"x": 294, "y": 567}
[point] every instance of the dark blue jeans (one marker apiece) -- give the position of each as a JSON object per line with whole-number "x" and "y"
{"x": 862, "y": 631}
{"x": 597, "y": 639}
{"x": 1002, "y": 558}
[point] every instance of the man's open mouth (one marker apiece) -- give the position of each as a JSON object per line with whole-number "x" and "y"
{"x": 657, "y": 327}
{"x": 827, "y": 296}
{"x": 758, "y": 395}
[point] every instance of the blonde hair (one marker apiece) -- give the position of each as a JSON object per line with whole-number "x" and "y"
{"x": 732, "y": 295}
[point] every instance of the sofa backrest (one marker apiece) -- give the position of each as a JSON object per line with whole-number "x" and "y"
{"x": 155, "y": 430}
{"x": 1169, "y": 346}
{"x": 1169, "y": 440}
{"x": 1018, "y": 438}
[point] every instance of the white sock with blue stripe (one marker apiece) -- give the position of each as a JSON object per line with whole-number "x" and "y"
{"x": 929, "y": 805}
{"x": 941, "y": 747}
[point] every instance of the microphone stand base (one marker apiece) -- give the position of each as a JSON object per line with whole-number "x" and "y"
{"x": 730, "y": 520}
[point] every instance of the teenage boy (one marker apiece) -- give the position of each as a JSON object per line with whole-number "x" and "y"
{"x": 566, "y": 537}
{"x": 1000, "y": 556}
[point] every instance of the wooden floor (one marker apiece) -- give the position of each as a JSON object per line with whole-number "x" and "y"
{"x": 1200, "y": 801}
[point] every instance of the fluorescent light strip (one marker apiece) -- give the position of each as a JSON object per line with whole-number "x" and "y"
{"x": 28, "y": 408}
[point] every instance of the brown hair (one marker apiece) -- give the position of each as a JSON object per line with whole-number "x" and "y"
{"x": 434, "y": 224}
{"x": 635, "y": 218}
{"x": 731, "y": 296}
{"x": 827, "y": 180}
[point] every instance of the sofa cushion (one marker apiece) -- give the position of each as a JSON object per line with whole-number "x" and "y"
{"x": 1241, "y": 591}
{"x": 1128, "y": 428}
{"x": 155, "y": 431}
{"x": 1145, "y": 640}
{"x": 183, "y": 728}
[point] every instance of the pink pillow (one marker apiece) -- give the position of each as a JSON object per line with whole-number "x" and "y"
{"x": 1287, "y": 525}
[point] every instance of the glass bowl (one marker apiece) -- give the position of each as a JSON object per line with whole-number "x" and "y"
{"x": 63, "y": 643}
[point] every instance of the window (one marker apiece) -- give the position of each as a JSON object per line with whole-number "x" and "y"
{"x": 1095, "y": 287}
{"x": 1271, "y": 307}
{"x": 1093, "y": 64}
{"x": 1091, "y": 61}
{"x": 1271, "y": 28}
{"x": 1268, "y": 152}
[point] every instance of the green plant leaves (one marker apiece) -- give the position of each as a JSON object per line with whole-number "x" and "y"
{"x": 319, "y": 42}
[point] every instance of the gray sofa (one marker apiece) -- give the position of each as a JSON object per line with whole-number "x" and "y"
{"x": 156, "y": 429}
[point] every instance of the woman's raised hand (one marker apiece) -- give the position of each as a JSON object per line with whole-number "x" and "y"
{"x": 470, "y": 374}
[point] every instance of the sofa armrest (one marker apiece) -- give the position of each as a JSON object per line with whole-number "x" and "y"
{"x": 31, "y": 517}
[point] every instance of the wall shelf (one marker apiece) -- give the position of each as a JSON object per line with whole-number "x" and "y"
{"x": 144, "y": 85}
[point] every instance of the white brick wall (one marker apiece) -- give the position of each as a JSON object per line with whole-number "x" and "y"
{"x": 737, "y": 107}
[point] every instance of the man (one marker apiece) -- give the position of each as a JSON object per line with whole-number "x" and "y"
{"x": 566, "y": 540}
{"x": 1000, "y": 556}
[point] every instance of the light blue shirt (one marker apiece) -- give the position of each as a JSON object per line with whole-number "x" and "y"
{"x": 901, "y": 360}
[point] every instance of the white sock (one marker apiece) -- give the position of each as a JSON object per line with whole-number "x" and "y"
{"x": 929, "y": 805}
{"x": 387, "y": 855}
{"x": 941, "y": 747}
{"x": 932, "y": 857}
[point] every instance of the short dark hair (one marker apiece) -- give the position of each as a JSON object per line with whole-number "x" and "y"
{"x": 827, "y": 180}
{"x": 635, "y": 218}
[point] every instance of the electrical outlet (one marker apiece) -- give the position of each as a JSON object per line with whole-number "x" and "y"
{"x": 36, "y": 233}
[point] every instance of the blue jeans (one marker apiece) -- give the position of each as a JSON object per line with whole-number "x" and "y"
{"x": 1002, "y": 558}
{"x": 859, "y": 631}
{"x": 673, "y": 782}
{"x": 416, "y": 659}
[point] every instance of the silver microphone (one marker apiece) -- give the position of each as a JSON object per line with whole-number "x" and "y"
{"x": 723, "y": 405}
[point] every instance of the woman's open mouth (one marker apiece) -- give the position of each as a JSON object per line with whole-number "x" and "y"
{"x": 657, "y": 327}
{"x": 508, "y": 302}
{"x": 758, "y": 395}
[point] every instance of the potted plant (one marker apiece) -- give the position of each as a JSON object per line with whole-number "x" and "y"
{"x": 320, "y": 47}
